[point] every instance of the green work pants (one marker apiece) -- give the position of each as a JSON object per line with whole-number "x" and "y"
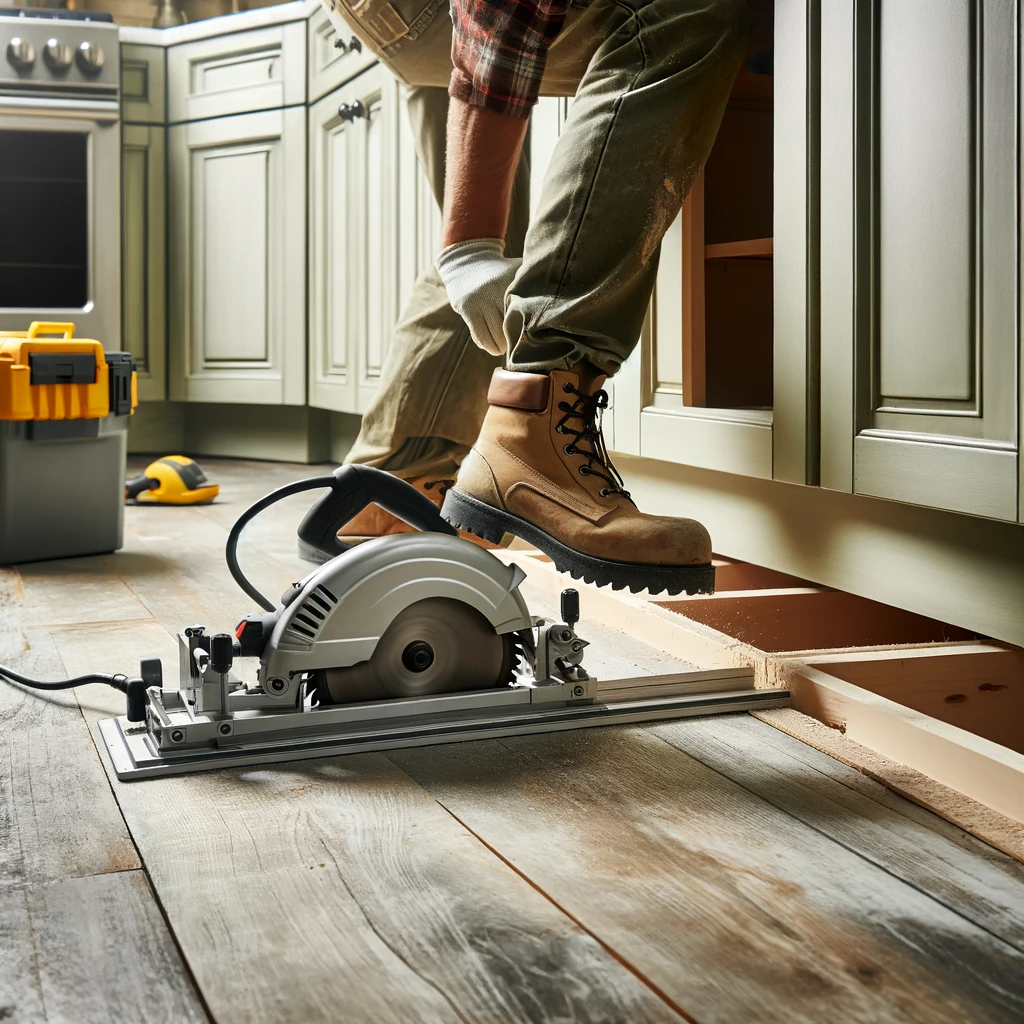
{"x": 650, "y": 80}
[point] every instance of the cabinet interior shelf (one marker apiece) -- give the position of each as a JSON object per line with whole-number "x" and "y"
{"x": 749, "y": 248}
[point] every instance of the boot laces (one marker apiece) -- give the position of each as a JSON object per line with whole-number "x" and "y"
{"x": 588, "y": 409}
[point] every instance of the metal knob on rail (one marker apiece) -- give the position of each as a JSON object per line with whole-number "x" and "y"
{"x": 352, "y": 111}
{"x": 21, "y": 55}
{"x": 57, "y": 55}
{"x": 90, "y": 58}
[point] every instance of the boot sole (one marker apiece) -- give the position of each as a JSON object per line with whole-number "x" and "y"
{"x": 492, "y": 524}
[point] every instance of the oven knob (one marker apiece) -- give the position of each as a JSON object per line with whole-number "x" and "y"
{"x": 90, "y": 59}
{"x": 20, "y": 54}
{"x": 57, "y": 55}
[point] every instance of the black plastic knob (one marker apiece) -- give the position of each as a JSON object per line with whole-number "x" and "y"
{"x": 570, "y": 607}
{"x": 222, "y": 652}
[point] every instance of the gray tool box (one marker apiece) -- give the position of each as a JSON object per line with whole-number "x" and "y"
{"x": 65, "y": 405}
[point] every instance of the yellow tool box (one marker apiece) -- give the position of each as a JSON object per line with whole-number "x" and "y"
{"x": 65, "y": 405}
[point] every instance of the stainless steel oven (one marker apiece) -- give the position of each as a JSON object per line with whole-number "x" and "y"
{"x": 60, "y": 172}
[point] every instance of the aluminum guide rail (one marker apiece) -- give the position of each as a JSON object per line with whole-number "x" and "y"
{"x": 430, "y": 720}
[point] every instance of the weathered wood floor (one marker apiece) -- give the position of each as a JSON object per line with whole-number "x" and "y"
{"x": 711, "y": 870}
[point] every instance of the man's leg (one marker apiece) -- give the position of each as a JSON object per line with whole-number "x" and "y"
{"x": 645, "y": 117}
{"x": 433, "y": 392}
{"x": 640, "y": 129}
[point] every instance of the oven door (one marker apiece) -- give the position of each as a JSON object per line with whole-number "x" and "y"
{"x": 60, "y": 214}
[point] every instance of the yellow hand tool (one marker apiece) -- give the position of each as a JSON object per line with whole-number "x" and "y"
{"x": 172, "y": 480}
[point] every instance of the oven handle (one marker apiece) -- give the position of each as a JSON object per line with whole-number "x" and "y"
{"x": 44, "y": 106}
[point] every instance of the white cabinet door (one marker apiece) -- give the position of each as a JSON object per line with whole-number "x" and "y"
{"x": 238, "y": 281}
{"x": 919, "y": 187}
{"x": 367, "y": 221}
{"x": 143, "y": 255}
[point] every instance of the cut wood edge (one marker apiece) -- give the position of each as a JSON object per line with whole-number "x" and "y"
{"x": 971, "y": 781}
{"x": 971, "y": 815}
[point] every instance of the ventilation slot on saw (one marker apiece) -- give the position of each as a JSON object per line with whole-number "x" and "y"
{"x": 312, "y": 613}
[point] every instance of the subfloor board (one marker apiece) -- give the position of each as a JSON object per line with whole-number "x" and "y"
{"x": 101, "y": 952}
{"x": 58, "y": 818}
{"x": 732, "y": 908}
{"x": 911, "y": 843}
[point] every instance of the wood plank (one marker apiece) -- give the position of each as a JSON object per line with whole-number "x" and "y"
{"x": 997, "y": 830}
{"x": 72, "y": 589}
{"x": 58, "y": 817}
{"x": 972, "y": 765}
{"x": 692, "y": 296}
{"x": 732, "y": 908}
{"x": 748, "y": 248}
{"x": 21, "y": 997}
{"x": 297, "y": 889}
{"x": 922, "y": 849}
{"x": 100, "y": 952}
{"x": 980, "y": 690}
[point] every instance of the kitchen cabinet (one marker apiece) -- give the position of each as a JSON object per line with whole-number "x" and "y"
{"x": 919, "y": 290}
{"x": 237, "y": 282}
{"x": 723, "y": 377}
{"x": 373, "y": 224}
{"x": 143, "y": 255}
{"x": 143, "y": 84}
{"x": 261, "y": 69}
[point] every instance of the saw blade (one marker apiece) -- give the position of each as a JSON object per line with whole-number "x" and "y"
{"x": 434, "y": 646}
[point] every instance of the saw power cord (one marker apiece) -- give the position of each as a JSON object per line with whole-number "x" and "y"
{"x": 230, "y": 549}
{"x": 134, "y": 688}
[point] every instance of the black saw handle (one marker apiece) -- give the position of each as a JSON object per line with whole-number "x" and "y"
{"x": 354, "y": 488}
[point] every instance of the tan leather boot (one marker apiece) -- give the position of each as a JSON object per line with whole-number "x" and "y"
{"x": 540, "y": 470}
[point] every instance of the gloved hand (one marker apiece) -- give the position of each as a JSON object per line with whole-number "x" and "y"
{"x": 477, "y": 275}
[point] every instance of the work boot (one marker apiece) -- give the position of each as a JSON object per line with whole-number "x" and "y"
{"x": 374, "y": 522}
{"x": 540, "y": 470}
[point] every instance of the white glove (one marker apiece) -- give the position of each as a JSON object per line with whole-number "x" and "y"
{"x": 477, "y": 275}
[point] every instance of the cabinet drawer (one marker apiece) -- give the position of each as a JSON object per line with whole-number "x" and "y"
{"x": 143, "y": 84}
{"x": 238, "y": 73}
{"x": 333, "y": 58}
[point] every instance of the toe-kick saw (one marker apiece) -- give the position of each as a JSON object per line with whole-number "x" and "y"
{"x": 408, "y": 640}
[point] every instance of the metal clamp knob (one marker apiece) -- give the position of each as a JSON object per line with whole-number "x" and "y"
{"x": 352, "y": 111}
{"x": 57, "y": 55}
{"x": 90, "y": 59}
{"x": 21, "y": 55}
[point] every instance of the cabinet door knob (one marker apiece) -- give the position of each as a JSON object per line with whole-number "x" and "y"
{"x": 354, "y": 45}
{"x": 352, "y": 111}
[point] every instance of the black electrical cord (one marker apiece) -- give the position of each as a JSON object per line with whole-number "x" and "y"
{"x": 230, "y": 549}
{"x": 119, "y": 682}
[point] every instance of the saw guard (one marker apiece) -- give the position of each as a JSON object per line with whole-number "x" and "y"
{"x": 342, "y": 608}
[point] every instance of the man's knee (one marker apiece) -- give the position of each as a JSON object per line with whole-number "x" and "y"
{"x": 732, "y": 20}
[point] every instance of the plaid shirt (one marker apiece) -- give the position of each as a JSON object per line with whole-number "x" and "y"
{"x": 499, "y": 49}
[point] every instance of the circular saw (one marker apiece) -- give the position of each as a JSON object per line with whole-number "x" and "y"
{"x": 409, "y": 639}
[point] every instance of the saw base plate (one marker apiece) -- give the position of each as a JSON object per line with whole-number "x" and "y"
{"x": 448, "y": 719}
